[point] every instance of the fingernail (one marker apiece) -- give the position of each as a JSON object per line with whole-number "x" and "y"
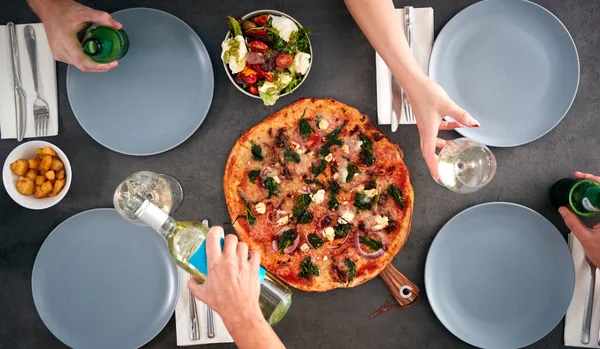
{"x": 474, "y": 123}
{"x": 562, "y": 211}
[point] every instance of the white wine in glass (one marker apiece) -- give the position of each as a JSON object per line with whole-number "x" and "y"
{"x": 162, "y": 190}
{"x": 466, "y": 166}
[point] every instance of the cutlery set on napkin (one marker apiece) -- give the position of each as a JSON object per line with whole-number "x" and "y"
{"x": 582, "y": 322}
{"x": 393, "y": 107}
{"x": 27, "y": 63}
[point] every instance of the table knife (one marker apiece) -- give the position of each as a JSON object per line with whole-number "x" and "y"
{"x": 210, "y": 317}
{"x": 194, "y": 330}
{"x": 20, "y": 97}
{"x": 408, "y": 30}
{"x": 397, "y": 96}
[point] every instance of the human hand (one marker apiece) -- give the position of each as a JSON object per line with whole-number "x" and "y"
{"x": 430, "y": 104}
{"x": 589, "y": 237}
{"x": 63, "y": 19}
{"x": 232, "y": 286}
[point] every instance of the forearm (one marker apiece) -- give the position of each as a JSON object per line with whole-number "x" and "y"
{"x": 253, "y": 332}
{"x": 41, "y": 7}
{"x": 378, "y": 21}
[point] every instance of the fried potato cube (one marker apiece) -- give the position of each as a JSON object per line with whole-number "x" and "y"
{"x": 60, "y": 174}
{"x": 39, "y": 180}
{"x": 33, "y": 163}
{"x": 31, "y": 174}
{"x": 58, "y": 185}
{"x": 57, "y": 165}
{"x": 50, "y": 175}
{"x": 41, "y": 152}
{"x": 46, "y": 188}
{"x": 45, "y": 164}
{"x": 25, "y": 186}
{"x": 38, "y": 192}
{"x": 20, "y": 167}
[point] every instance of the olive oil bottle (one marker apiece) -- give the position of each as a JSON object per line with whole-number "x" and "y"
{"x": 582, "y": 197}
{"x": 104, "y": 44}
{"x": 186, "y": 244}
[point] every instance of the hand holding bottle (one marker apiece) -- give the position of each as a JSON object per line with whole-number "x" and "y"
{"x": 63, "y": 19}
{"x": 589, "y": 237}
{"x": 232, "y": 289}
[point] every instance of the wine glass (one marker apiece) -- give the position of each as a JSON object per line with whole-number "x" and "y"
{"x": 162, "y": 190}
{"x": 465, "y": 165}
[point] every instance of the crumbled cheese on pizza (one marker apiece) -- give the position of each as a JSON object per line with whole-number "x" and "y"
{"x": 358, "y": 145}
{"x": 345, "y": 149}
{"x": 347, "y": 217}
{"x": 260, "y": 208}
{"x": 323, "y": 124}
{"x": 324, "y": 258}
{"x": 370, "y": 193}
{"x": 336, "y": 176}
{"x": 329, "y": 233}
{"x": 380, "y": 223}
{"x": 319, "y": 196}
{"x": 276, "y": 179}
{"x": 283, "y": 220}
{"x": 304, "y": 247}
{"x": 343, "y": 173}
{"x": 329, "y": 157}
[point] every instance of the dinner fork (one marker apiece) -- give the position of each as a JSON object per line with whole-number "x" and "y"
{"x": 408, "y": 29}
{"x": 41, "y": 112}
{"x": 589, "y": 303}
{"x": 210, "y": 317}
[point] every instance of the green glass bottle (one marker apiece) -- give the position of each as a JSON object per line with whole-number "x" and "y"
{"x": 104, "y": 44}
{"x": 582, "y": 197}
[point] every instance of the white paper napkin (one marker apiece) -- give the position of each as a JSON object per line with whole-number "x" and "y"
{"x": 46, "y": 76}
{"x": 422, "y": 45}
{"x": 574, "y": 317}
{"x": 182, "y": 318}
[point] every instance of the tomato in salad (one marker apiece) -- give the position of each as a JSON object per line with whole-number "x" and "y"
{"x": 257, "y": 32}
{"x": 260, "y": 20}
{"x": 284, "y": 60}
{"x": 249, "y": 76}
{"x": 253, "y": 89}
{"x": 258, "y": 46}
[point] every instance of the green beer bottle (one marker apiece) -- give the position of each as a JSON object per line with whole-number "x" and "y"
{"x": 582, "y": 197}
{"x": 104, "y": 44}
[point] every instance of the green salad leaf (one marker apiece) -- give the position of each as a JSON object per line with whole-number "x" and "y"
{"x": 234, "y": 25}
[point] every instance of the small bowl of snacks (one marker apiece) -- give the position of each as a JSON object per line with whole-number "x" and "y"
{"x": 37, "y": 175}
{"x": 266, "y": 54}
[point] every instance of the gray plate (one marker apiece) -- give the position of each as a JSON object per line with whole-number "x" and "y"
{"x": 158, "y": 95}
{"x": 101, "y": 282}
{"x": 499, "y": 275}
{"x": 512, "y": 64}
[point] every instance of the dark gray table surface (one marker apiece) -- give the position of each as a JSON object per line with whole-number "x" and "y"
{"x": 344, "y": 68}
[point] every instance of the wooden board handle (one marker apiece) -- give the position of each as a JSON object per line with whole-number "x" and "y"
{"x": 404, "y": 290}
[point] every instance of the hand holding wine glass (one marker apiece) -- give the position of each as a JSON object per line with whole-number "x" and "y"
{"x": 465, "y": 166}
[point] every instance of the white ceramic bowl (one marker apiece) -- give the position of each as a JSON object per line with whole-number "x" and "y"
{"x": 276, "y": 13}
{"x": 27, "y": 151}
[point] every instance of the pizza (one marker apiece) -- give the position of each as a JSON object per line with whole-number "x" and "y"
{"x": 321, "y": 192}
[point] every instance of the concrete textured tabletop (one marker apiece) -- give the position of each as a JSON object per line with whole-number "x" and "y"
{"x": 344, "y": 69}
